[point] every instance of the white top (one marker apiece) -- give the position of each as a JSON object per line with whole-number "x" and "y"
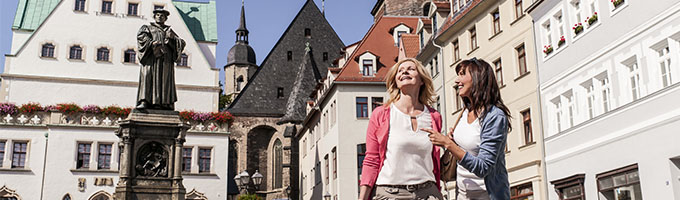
{"x": 467, "y": 136}
{"x": 408, "y": 159}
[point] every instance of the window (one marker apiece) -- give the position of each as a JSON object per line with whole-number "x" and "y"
{"x": 2, "y": 152}
{"x": 559, "y": 23}
{"x": 335, "y": 163}
{"x": 66, "y": 197}
{"x": 103, "y": 54}
{"x": 279, "y": 93}
{"x": 436, "y": 65}
{"x": 19, "y": 154}
{"x": 558, "y": 113}
{"x": 576, "y": 8}
{"x": 326, "y": 171}
{"x": 499, "y": 71}
{"x": 522, "y": 192}
{"x": 665, "y": 63}
{"x": 104, "y": 158}
{"x": 289, "y": 55}
{"x": 47, "y": 50}
{"x": 367, "y": 67}
{"x": 183, "y": 60}
{"x": 569, "y": 96}
{"x": 132, "y": 9}
{"x": 278, "y": 164}
{"x": 204, "y": 160}
{"x": 473, "y": 38}
{"x": 239, "y": 83}
{"x": 361, "y": 154}
{"x": 80, "y": 5}
{"x": 129, "y": 56}
{"x": 76, "y": 52}
{"x": 459, "y": 101}
{"x": 526, "y": 121}
{"x": 308, "y": 32}
{"x": 634, "y": 75}
{"x": 422, "y": 39}
{"x": 622, "y": 183}
{"x": 325, "y": 56}
{"x": 158, "y": 7}
{"x": 186, "y": 159}
{"x": 590, "y": 98}
{"x": 519, "y": 11}
{"x": 606, "y": 104}
{"x": 522, "y": 60}
{"x": 434, "y": 24}
{"x": 334, "y": 109}
{"x": 376, "y": 102}
{"x": 548, "y": 34}
{"x": 437, "y": 104}
{"x": 570, "y": 188}
{"x": 362, "y": 107}
{"x": 496, "y": 17}
{"x": 83, "y": 156}
{"x": 456, "y": 51}
{"x": 106, "y": 7}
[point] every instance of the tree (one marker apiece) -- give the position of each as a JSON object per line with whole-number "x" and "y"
{"x": 224, "y": 99}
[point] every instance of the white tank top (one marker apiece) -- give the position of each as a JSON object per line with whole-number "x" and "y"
{"x": 467, "y": 136}
{"x": 408, "y": 159}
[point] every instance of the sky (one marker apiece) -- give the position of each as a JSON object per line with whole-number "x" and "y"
{"x": 265, "y": 19}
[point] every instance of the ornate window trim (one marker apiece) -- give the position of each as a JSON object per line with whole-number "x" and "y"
{"x": 6, "y": 192}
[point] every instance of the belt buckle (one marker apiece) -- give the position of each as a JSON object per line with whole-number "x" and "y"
{"x": 411, "y": 188}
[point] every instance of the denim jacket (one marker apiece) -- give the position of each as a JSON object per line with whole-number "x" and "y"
{"x": 489, "y": 163}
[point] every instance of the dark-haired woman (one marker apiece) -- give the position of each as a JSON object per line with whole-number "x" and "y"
{"x": 479, "y": 140}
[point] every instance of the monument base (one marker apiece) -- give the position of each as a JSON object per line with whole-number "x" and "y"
{"x": 151, "y": 162}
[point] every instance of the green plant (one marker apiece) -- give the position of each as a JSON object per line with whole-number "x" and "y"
{"x": 592, "y": 19}
{"x": 617, "y": 3}
{"x": 69, "y": 108}
{"x": 249, "y": 197}
{"x": 30, "y": 108}
{"x": 577, "y": 28}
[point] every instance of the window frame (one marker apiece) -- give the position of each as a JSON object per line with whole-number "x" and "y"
{"x": 616, "y": 172}
{"x": 75, "y": 52}
{"x": 136, "y": 9}
{"x": 473, "y": 38}
{"x": 183, "y": 60}
{"x": 20, "y": 165}
{"x": 81, "y": 7}
{"x": 522, "y": 60}
{"x": 498, "y": 69}
{"x": 186, "y": 167}
{"x": 2, "y": 152}
{"x": 517, "y": 189}
{"x": 81, "y": 156}
{"x": 47, "y": 50}
{"x": 107, "y": 10}
{"x": 496, "y": 22}
{"x": 519, "y": 9}
{"x": 107, "y": 165}
{"x": 130, "y": 55}
{"x": 204, "y": 167}
{"x": 100, "y": 56}
{"x": 334, "y": 151}
{"x": 568, "y": 182}
{"x": 527, "y": 127}
{"x": 361, "y": 108}
{"x": 456, "y": 51}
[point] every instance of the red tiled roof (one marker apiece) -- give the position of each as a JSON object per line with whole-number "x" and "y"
{"x": 450, "y": 21}
{"x": 379, "y": 42}
{"x": 411, "y": 44}
{"x": 442, "y": 4}
{"x": 427, "y": 21}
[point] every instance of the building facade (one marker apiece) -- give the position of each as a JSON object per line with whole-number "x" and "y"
{"x": 271, "y": 105}
{"x": 608, "y": 86}
{"x": 84, "y": 52}
{"x": 500, "y": 33}
{"x": 332, "y": 140}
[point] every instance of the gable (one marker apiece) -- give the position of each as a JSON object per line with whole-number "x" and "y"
{"x": 260, "y": 96}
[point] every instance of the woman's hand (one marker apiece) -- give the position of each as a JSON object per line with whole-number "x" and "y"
{"x": 439, "y": 139}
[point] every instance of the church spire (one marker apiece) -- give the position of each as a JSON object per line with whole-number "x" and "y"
{"x": 242, "y": 31}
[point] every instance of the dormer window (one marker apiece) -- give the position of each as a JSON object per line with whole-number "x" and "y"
{"x": 368, "y": 64}
{"x": 398, "y": 30}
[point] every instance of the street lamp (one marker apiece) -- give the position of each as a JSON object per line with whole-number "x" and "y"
{"x": 243, "y": 181}
{"x": 327, "y": 196}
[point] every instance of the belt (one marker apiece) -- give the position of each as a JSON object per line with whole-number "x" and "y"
{"x": 413, "y": 187}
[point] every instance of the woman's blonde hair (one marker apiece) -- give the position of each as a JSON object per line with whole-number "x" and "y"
{"x": 426, "y": 90}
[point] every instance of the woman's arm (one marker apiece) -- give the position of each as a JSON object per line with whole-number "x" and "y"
{"x": 371, "y": 162}
{"x": 493, "y": 135}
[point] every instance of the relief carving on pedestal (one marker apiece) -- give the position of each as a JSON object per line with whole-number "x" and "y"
{"x": 152, "y": 160}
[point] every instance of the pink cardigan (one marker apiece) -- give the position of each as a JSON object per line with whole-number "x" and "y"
{"x": 376, "y": 144}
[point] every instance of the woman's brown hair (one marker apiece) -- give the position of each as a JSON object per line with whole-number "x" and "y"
{"x": 485, "y": 91}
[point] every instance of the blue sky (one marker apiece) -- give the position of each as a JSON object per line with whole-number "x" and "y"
{"x": 266, "y": 20}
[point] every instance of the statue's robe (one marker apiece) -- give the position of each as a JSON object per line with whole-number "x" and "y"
{"x": 157, "y": 74}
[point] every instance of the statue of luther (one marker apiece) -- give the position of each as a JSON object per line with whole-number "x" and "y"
{"x": 159, "y": 49}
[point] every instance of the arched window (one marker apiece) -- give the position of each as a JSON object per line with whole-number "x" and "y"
{"x": 129, "y": 56}
{"x": 239, "y": 83}
{"x": 47, "y": 50}
{"x": 66, "y": 197}
{"x": 101, "y": 195}
{"x": 103, "y": 54}
{"x": 278, "y": 164}
{"x": 76, "y": 52}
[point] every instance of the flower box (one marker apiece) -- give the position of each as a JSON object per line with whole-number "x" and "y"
{"x": 547, "y": 49}
{"x": 617, "y": 3}
{"x": 591, "y": 20}
{"x": 561, "y": 42}
{"x": 578, "y": 28}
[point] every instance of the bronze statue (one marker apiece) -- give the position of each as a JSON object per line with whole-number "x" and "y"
{"x": 159, "y": 49}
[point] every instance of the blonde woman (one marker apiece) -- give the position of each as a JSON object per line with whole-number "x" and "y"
{"x": 401, "y": 162}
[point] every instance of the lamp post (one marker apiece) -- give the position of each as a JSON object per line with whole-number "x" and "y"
{"x": 243, "y": 181}
{"x": 327, "y": 196}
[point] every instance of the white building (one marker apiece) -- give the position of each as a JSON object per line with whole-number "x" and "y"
{"x": 83, "y": 52}
{"x": 332, "y": 140}
{"x": 609, "y": 97}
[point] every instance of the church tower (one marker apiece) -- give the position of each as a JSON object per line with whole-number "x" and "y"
{"x": 240, "y": 60}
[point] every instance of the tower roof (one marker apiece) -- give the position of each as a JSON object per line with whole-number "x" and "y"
{"x": 241, "y": 52}
{"x": 242, "y": 25}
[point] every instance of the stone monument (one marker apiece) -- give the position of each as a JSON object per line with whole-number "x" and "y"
{"x": 152, "y": 136}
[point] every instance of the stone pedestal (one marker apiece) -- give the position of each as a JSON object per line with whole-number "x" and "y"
{"x": 151, "y": 159}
